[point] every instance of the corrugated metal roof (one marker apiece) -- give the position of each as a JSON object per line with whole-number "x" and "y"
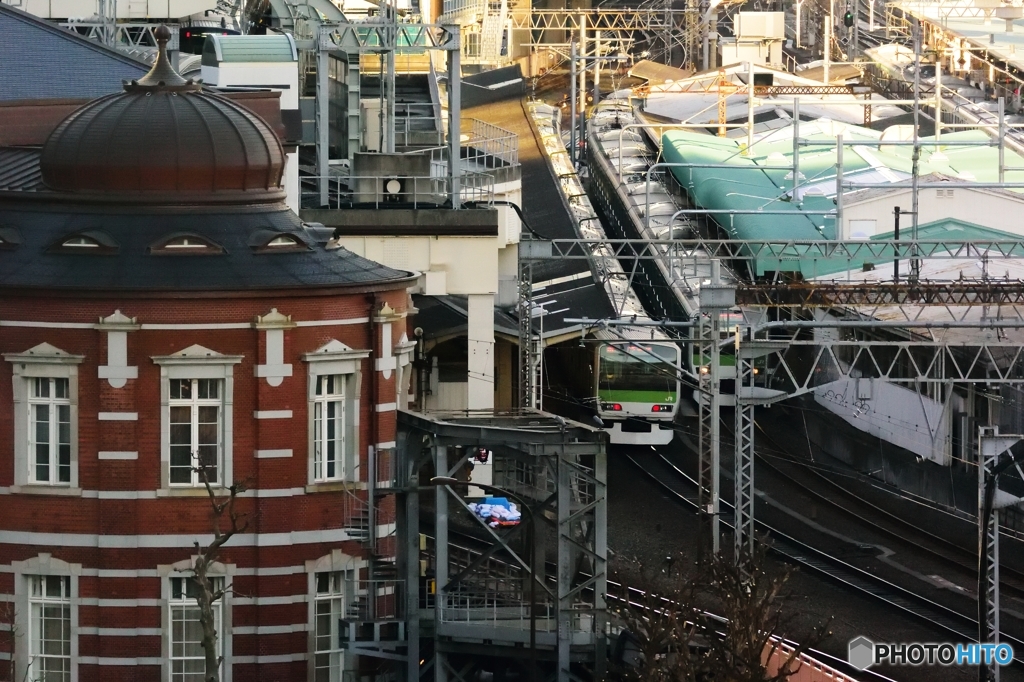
{"x": 19, "y": 169}
{"x": 41, "y": 60}
{"x": 270, "y": 48}
{"x": 763, "y": 181}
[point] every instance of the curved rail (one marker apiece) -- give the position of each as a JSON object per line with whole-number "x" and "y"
{"x": 889, "y": 516}
{"x": 923, "y": 609}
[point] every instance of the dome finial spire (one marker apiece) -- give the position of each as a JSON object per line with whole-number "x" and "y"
{"x": 162, "y": 76}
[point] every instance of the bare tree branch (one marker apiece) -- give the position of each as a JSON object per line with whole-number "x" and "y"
{"x": 672, "y": 637}
{"x": 208, "y": 592}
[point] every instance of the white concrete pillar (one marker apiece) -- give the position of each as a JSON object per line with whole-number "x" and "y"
{"x": 481, "y": 351}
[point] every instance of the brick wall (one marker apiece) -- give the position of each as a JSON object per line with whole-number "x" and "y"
{"x": 129, "y": 522}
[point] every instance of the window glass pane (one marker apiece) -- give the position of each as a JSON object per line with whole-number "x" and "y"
{"x": 60, "y": 388}
{"x": 50, "y": 641}
{"x": 42, "y": 388}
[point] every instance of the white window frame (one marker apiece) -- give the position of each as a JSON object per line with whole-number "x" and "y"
{"x": 43, "y": 565}
{"x": 52, "y": 402}
{"x": 193, "y": 404}
{"x": 196, "y": 362}
{"x": 40, "y": 601}
{"x": 42, "y": 362}
{"x": 349, "y": 567}
{"x": 340, "y": 399}
{"x": 336, "y": 599}
{"x": 337, "y": 359}
{"x": 182, "y": 569}
{"x": 176, "y": 605}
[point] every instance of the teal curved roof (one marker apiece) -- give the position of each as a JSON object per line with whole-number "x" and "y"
{"x": 748, "y": 183}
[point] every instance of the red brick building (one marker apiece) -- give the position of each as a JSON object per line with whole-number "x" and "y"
{"x": 160, "y": 306}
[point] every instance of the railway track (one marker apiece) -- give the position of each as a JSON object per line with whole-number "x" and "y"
{"x": 617, "y": 592}
{"x": 795, "y": 551}
{"x": 954, "y": 554}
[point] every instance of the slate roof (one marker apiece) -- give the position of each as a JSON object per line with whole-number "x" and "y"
{"x": 43, "y": 61}
{"x": 19, "y": 169}
{"x": 38, "y": 228}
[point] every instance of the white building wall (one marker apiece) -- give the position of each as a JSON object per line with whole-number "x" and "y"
{"x": 281, "y": 76}
{"x": 893, "y": 413}
{"x": 969, "y": 205}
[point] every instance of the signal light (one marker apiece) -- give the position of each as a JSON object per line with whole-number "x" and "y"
{"x": 848, "y": 19}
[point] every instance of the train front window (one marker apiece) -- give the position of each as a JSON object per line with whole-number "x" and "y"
{"x": 638, "y": 373}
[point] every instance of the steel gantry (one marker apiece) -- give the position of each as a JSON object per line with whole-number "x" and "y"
{"x": 385, "y": 38}
{"x": 502, "y": 601}
{"x": 777, "y": 361}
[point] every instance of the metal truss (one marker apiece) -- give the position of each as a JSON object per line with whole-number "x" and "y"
{"x": 743, "y": 481}
{"x": 127, "y": 35}
{"x": 531, "y": 346}
{"x": 991, "y": 447}
{"x": 793, "y": 253}
{"x": 789, "y": 364}
{"x": 387, "y": 37}
{"x": 503, "y": 595}
{"x": 709, "y": 397}
{"x": 963, "y": 292}
{"x": 643, "y": 20}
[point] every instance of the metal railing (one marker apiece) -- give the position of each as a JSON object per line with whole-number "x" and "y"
{"x": 489, "y": 144}
{"x": 394, "y": 191}
{"x": 497, "y": 610}
{"x": 376, "y": 600}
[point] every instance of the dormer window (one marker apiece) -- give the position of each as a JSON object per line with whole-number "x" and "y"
{"x": 186, "y": 245}
{"x": 91, "y": 242}
{"x": 270, "y": 241}
{"x": 81, "y": 243}
{"x": 282, "y": 241}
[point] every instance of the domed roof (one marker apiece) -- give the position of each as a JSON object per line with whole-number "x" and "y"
{"x": 164, "y": 139}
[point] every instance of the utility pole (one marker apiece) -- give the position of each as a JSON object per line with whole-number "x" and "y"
{"x": 991, "y": 447}
{"x": 715, "y": 297}
{"x": 915, "y": 263}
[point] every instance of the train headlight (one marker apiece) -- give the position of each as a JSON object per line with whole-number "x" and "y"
{"x": 704, "y": 369}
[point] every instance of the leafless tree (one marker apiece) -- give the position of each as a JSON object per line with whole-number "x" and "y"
{"x": 209, "y": 591}
{"x": 675, "y": 638}
{"x": 8, "y": 617}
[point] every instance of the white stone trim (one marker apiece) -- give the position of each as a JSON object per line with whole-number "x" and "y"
{"x": 299, "y": 537}
{"x": 41, "y": 361}
{"x": 47, "y": 325}
{"x": 119, "y": 603}
{"x": 272, "y": 414}
{"x": 273, "y": 454}
{"x": 389, "y": 445}
{"x": 152, "y": 494}
{"x": 386, "y": 407}
{"x": 267, "y": 659}
{"x": 111, "y": 454}
{"x": 271, "y": 601}
{"x": 121, "y": 632}
{"x": 117, "y": 416}
{"x": 111, "y": 662}
{"x": 271, "y": 629}
{"x": 332, "y": 323}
